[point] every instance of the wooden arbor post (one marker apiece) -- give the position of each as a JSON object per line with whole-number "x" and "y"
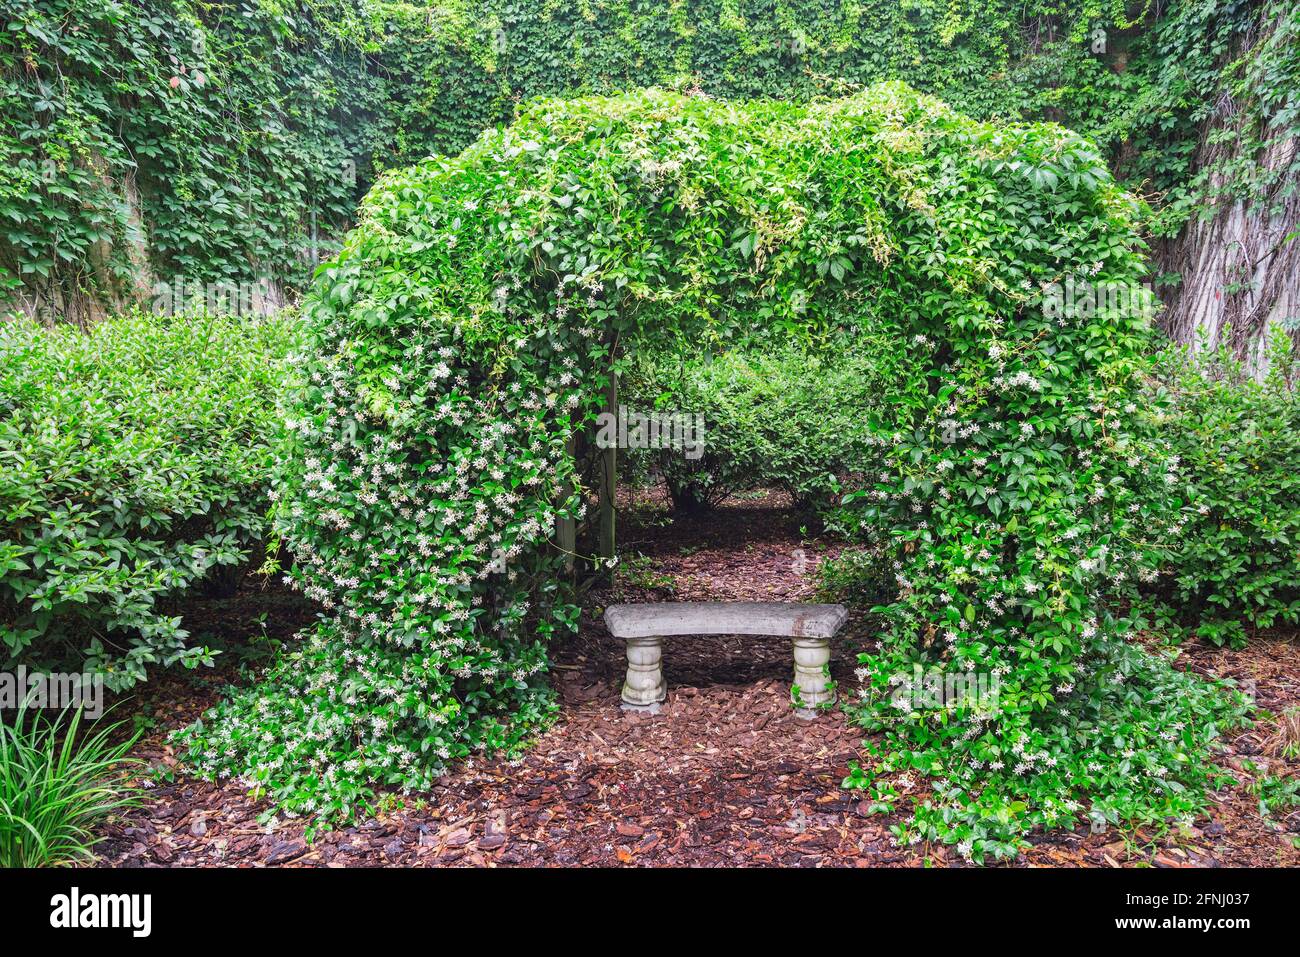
{"x": 609, "y": 475}
{"x": 566, "y": 529}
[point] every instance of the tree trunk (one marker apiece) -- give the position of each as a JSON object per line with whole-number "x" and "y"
{"x": 1240, "y": 272}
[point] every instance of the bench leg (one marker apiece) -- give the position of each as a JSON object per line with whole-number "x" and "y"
{"x": 644, "y": 688}
{"x": 812, "y": 687}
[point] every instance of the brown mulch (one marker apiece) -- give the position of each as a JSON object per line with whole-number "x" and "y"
{"x": 724, "y": 775}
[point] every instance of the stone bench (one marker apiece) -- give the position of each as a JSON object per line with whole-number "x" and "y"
{"x": 645, "y": 626}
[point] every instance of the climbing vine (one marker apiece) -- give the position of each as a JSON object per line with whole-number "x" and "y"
{"x": 465, "y": 331}
{"x": 217, "y": 142}
{"x": 231, "y": 139}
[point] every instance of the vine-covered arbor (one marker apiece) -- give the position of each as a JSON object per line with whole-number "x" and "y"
{"x": 469, "y": 327}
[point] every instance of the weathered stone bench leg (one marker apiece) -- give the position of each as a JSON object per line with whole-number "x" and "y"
{"x": 644, "y": 688}
{"x": 812, "y": 687}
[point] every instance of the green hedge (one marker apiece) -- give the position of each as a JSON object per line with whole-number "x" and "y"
{"x": 133, "y": 462}
{"x": 785, "y": 417}
{"x": 1235, "y": 562}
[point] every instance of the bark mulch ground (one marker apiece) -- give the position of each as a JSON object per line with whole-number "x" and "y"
{"x": 724, "y": 775}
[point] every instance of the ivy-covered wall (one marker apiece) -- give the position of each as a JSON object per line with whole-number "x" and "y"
{"x": 227, "y": 140}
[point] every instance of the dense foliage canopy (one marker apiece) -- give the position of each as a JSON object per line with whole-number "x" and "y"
{"x": 466, "y": 330}
{"x": 230, "y": 140}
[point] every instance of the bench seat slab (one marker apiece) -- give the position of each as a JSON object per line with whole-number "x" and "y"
{"x": 788, "y": 619}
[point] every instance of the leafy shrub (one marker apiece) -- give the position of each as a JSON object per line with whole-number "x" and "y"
{"x": 467, "y": 329}
{"x": 774, "y": 416}
{"x": 1278, "y": 795}
{"x": 56, "y": 784}
{"x": 1235, "y": 558}
{"x": 134, "y": 460}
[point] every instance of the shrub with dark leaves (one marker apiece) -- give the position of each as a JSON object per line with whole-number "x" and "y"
{"x": 1235, "y": 563}
{"x": 134, "y": 462}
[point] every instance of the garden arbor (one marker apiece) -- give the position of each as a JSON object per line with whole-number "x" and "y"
{"x": 469, "y": 327}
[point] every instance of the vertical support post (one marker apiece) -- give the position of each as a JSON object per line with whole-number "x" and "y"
{"x": 609, "y": 475}
{"x": 811, "y": 687}
{"x": 645, "y": 688}
{"x": 566, "y": 529}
